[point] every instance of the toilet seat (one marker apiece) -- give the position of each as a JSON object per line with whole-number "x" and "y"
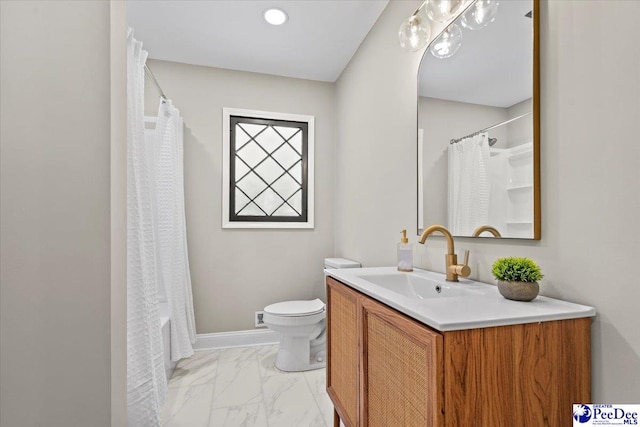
{"x": 295, "y": 308}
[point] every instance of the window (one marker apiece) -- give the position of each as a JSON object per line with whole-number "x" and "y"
{"x": 267, "y": 170}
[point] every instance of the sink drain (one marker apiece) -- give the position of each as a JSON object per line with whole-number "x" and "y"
{"x": 438, "y": 288}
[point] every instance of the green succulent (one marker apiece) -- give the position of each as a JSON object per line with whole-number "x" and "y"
{"x": 514, "y": 269}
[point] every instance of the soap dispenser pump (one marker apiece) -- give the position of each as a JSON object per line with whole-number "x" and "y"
{"x": 405, "y": 253}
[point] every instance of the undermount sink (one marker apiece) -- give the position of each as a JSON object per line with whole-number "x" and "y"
{"x": 415, "y": 286}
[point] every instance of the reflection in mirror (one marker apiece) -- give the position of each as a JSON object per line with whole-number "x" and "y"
{"x": 478, "y": 132}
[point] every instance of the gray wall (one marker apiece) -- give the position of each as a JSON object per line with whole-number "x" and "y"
{"x": 118, "y": 168}
{"x": 55, "y": 357}
{"x": 590, "y": 202}
{"x": 236, "y": 272}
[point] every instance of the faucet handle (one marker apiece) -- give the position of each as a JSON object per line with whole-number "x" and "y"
{"x": 463, "y": 270}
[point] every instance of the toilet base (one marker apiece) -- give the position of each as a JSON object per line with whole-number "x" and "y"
{"x": 297, "y": 354}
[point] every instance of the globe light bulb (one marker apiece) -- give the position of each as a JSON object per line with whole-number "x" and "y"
{"x": 414, "y": 32}
{"x": 481, "y": 14}
{"x": 448, "y": 43}
{"x": 442, "y": 10}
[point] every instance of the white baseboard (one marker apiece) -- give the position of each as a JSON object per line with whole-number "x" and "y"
{"x": 235, "y": 339}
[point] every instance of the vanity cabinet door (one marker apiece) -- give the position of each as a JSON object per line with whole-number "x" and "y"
{"x": 343, "y": 350}
{"x": 402, "y": 370}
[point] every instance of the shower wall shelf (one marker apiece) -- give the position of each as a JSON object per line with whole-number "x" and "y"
{"x": 520, "y": 187}
{"x": 523, "y": 155}
{"x": 519, "y": 209}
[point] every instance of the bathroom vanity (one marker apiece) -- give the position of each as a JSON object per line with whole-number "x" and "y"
{"x": 410, "y": 349}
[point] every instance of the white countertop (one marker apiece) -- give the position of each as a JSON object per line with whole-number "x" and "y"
{"x": 483, "y": 307}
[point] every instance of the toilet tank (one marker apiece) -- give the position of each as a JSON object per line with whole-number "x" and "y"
{"x": 340, "y": 263}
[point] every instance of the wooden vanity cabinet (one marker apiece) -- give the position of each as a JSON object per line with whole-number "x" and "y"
{"x": 343, "y": 356}
{"x": 386, "y": 369}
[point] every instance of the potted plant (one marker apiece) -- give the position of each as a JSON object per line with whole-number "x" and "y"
{"x": 517, "y": 278}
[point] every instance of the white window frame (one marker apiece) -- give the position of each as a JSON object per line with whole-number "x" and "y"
{"x": 226, "y": 144}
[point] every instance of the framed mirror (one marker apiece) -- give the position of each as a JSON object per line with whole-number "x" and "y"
{"x": 479, "y": 123}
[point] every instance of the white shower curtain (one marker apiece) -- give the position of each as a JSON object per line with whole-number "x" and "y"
{"x": 146, "y": 381}
{"x": 468, "y": 184}
{"x": 171, "y": 228}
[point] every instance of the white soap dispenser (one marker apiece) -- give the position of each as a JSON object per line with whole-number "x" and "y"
{"x": 405, "y": 253}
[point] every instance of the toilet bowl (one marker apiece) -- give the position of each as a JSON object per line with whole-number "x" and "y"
{"x": 302, "y": 326}
{"x": 299, "y": 323}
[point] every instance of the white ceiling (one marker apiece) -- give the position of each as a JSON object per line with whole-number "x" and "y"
{"x": 493, "y": 66}
{"x": 316, "y": 43}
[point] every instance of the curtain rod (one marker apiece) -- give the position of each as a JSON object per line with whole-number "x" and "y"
{"x": 147, "y": 70}
{"x": 453, "y": 141}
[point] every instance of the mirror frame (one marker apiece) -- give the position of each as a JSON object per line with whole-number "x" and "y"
{"x": 537, "y": 210}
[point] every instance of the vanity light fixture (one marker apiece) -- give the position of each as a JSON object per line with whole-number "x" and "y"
{"x": 275, "y": 16}
{"x": 448, "y": 43}
{"x": 480, "y": 14}
{"x": 415, "y": 31}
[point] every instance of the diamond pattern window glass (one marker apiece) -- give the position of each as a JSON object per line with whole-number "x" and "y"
{"x": 268, "y": 170}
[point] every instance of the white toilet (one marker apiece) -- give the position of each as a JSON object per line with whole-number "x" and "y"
{"x": 302, "y": 327}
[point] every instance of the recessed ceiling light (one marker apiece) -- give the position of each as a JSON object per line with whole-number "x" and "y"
{"x": 275, "y": 16}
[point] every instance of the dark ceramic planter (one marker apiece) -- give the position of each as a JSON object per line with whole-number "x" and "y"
{"x": 518, "y": 291}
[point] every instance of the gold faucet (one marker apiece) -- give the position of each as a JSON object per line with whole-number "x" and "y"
{"x": 453, "y": 268}
{"x": 478, "y": 231}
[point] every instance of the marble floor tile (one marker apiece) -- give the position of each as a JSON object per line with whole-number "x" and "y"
{"x": 237, "y": 354}
{"x": 197, "y": 370}
{"x": 267, "y": 360}
{"x": 188, "y": 406}
{"x": 266, "y": 350}
{"x": 237, "y": 383}
{"x": 239, "y": 416}
{"x": 241, "y": 387}
{"x": 289, "y": 402}
{"x": 326, "y": 407}
{"x": 317, "y": 380}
